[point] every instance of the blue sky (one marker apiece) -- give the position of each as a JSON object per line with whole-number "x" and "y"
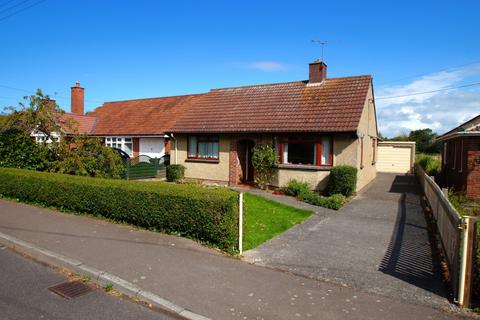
{"x": 135, "y": 49}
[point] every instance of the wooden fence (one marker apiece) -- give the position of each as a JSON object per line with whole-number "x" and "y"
{"x": 457, "y": 235}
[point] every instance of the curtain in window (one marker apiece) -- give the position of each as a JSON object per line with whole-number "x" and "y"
{"x": 192, "y": 147}
{"x": 325, "y": 151}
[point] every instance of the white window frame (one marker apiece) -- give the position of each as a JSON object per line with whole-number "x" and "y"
{"x": 120, "y": 143}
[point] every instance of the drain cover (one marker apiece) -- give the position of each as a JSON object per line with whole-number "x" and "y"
{"x": 70, "y": 290}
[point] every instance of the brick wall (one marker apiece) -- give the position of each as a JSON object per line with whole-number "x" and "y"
{"x": 473, "y": 178}
{"x": 235, "y": 170}
{"x": 461, "y": 170}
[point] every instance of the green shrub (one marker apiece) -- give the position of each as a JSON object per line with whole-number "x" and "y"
{"x": 295, "y": 188}
{"x": 19, "y": 150}
{"x": 342, "y": 180}
{"x": 430, "y": 163}
{"x": 84, "y": 156}
{"x": 264, "y": 160}
{"x": 209, "y": 215}
{"x": 476, "y": 272}
{"x": 334, "y": 202}
{"x": 175, "y": 172}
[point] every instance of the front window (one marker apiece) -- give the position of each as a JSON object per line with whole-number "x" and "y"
{"x": 317, "y": 152}
{"x": 203, "y": 147}
{"x": 124, "y": 144}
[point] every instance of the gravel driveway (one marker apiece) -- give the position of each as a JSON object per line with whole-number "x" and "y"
{"x": 378, "y": 242}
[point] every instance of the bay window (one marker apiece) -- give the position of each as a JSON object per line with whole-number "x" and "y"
{"x": 121, "y": 143}
{"x": 203, "y": 147}
{"x": 298, "y": 151}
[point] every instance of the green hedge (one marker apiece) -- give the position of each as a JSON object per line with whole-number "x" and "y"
{"x": 209, "y": 215}
{"x": 343, "y": 180}
{"x": 175, "y": 172}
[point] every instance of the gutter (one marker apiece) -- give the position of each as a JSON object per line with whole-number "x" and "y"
{"x": 458, "y": 134}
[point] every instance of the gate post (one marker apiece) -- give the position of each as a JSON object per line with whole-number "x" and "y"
{"x": 467, "y": 261}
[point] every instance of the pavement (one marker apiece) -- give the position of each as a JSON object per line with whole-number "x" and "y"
{"x": 24, "y": 294}
{"x": 378, "y": 243}
{"x": 198, "y": 280}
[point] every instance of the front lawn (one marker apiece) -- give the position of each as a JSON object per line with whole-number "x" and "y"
{"x": 265, "y": 219}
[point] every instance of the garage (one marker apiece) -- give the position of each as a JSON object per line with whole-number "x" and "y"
{"x": 396, "y": 156}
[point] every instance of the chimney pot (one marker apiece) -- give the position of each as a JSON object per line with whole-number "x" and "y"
{"x": 77, "y": 99}
{"x": 317, "y": 72}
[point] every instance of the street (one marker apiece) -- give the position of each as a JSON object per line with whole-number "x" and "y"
{"x": 24, "y": 294}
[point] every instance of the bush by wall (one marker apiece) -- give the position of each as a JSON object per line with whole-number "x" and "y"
{"x": 209, "y": 215}
{"x": 342, "y": 180}
{"x": 175, "y": 172}
{"x": 294, "y": 188}
{"x": 430, "y": 163}
{"x": 302, "y": 191}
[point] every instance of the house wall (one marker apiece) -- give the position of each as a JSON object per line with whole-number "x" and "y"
{"x": 460, "y": 169}
{"x": 228, "y": 170}
{"x": 344, "y": 152}
{"x": 367, "y": 131}
{"x": 216, "y": 171}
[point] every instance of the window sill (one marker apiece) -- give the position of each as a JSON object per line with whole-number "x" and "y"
{"x": 202, "y": 160}
{"x": 304, "y": 167}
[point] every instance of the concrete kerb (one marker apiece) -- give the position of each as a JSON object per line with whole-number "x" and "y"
{"x": 100, "y": 277}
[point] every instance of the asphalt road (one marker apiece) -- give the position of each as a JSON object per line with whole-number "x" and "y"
{"x": 24, "y": 294}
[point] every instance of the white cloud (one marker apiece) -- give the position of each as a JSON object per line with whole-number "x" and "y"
{"x": 440, "y": 111}
{"x": 267, "y": 66}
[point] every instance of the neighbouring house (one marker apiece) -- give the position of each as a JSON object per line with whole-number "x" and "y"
{"x": 461, "y": 158}
{"x": 313, "y": 125}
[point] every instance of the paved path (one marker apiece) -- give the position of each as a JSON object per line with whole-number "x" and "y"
{"x": 24, "y": 294}
{"x": 378, "y": 243}
{"x": 195, "y": 277}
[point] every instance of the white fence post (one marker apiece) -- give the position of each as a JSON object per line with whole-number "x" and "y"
{"x": 240, "y": 223}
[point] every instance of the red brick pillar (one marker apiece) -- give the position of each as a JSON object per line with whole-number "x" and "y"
{"x": 136, "y": 147}
{"x": 234, "y": 164}
{"x": 473, "y": 178}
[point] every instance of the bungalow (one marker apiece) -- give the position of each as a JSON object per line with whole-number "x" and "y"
{"x": 312, "y": 124}
{"x": 461, "y": 158}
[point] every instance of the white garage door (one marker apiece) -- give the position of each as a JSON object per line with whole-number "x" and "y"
{"x": 394, "y": 159}
{"x": 152, "y": 147}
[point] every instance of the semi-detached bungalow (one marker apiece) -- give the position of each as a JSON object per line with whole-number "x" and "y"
{"x": 313, "y": 125}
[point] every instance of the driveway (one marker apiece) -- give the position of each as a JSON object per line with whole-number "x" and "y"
{"x": 378, "y": 242}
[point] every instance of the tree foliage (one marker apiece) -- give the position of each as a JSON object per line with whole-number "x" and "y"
{"x": 84, "y": 156}
{"x": 264, "y": 161}
{"x": 425, "y": 140}
{"x": 80, "y": 155}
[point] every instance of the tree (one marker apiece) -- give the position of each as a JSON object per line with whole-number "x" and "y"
{"x": 425, "y": 140}
{"x": 264, "y": 160}
{"x": 84, "y": 156}
{"x": 37, "y": 114}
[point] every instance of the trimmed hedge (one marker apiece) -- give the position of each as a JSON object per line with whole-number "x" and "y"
{"x": 209, "y": 215}
{"x": 343, "y": 180}
{"x": 175, "y": 172}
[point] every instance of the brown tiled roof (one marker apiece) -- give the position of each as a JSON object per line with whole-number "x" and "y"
{"x": 74, "y": 123}
{"x": 334, "y": 106}
{"x": 140, "y": 117}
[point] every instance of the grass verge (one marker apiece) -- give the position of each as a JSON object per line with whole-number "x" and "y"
{"x": 265, "y": 219}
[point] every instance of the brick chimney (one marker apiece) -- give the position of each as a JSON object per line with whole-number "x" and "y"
{"x": 77, "y": 99}
{"x": 317, "y": 72}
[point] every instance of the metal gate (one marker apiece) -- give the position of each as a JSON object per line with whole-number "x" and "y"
{"x": 141, "y": 167}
